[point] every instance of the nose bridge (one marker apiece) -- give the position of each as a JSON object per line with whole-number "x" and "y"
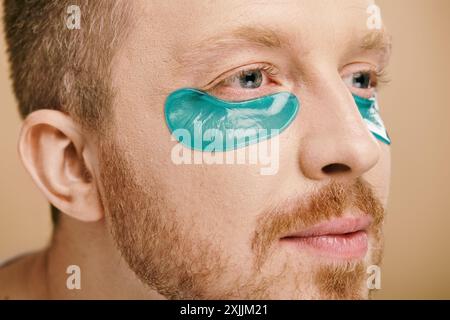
{"x": 333, "y": 103}
{"x": 335, "y": 138}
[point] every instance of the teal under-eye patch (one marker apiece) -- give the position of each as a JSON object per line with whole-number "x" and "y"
{"x": 370, "y": 112}
{"x": 205, "y": 123}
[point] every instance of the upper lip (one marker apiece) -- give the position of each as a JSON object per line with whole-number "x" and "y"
{"x": 337, "y": 226}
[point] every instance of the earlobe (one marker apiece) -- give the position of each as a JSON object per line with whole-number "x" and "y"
{"x": 52, "y": 147}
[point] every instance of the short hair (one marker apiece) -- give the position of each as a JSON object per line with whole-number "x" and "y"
{"x": 55, "y": 67}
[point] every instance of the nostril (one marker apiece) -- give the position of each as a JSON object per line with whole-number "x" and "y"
{"x": 335, "y": 168}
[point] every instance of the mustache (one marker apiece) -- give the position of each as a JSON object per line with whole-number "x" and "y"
{"x": 330, "y": 201}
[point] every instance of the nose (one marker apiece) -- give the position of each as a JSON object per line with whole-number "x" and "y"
{"x": 336, "y": 141}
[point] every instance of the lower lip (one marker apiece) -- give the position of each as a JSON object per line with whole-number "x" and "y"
{"x": 337, "y": 246}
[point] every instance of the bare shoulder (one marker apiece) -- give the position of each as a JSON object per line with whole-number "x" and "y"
{"x": 21, "y": 278}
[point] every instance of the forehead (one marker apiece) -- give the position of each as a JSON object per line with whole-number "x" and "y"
{"x": 184, "y": 30}
{"x": 202, "y": 18}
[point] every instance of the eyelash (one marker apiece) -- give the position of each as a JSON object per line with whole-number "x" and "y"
{"x": 377, "y": 79}
{"x": 268, "y": 69}
{"x": 271, "y": 71}
{"x": 381, "y": 77}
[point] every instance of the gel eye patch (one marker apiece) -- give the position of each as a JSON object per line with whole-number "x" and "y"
{"x": 205, "y": 123}
{"x": 368, "y": 108}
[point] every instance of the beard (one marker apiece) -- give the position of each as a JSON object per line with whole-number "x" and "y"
{"x": 180, "y": 263}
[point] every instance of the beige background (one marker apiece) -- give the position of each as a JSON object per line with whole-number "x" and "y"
{"x": 416, "y": 109}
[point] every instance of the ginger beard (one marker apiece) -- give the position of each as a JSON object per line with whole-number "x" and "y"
{"x": 179, "y": 263}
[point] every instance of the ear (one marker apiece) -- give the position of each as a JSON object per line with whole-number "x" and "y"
{"x": 53, "y": 150}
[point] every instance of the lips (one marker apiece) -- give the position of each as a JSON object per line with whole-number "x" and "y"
{"x": 341, "y": 238}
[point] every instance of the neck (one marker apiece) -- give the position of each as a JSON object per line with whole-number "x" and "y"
{"x": 103, "y": 274}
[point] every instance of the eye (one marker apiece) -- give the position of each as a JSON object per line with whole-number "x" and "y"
{"x": 363, "y": 83}
{"x": 250, "y": 79}
{"x": 252, "y": 82}
{"x": 362, "y": 80}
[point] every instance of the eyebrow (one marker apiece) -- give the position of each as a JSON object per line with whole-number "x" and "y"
{"x": 261, "y": 37}
{"x": 377, "y": 39}
{"x": 244, "y": 36}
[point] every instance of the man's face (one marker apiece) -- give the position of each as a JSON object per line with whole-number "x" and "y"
{"x": 225, "y": 230}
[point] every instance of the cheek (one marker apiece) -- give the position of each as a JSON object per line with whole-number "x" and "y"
{"x": 209, "y": 199}
{"x": 221, "y": 198}
{"x": 379, "y": 176}
{"x": 386, "y": 154}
